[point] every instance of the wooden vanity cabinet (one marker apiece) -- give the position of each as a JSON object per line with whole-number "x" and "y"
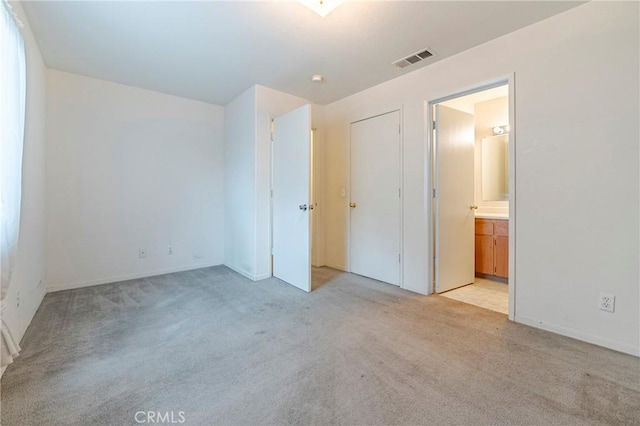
{"x": 492, "y": 247}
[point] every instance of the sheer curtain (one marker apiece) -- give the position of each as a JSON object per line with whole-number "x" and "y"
{"x": 12, "y": 112}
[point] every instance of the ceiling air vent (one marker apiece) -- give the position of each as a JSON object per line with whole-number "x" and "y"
{"x": 412, "y": 59}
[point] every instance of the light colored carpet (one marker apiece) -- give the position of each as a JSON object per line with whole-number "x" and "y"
{"x": 484, "y": 293}
{"x": 228, "y": 351}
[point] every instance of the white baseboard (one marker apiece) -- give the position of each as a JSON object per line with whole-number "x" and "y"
{"x": 115, "y": 279}
{"x": 579, "y": 335}
{"x": 338, "y": 267}
{"x": 262, "y": 277}
{"x": 241, "y": 271}
{"x": 247, "y": 274}
{"x": 21, "y": 331}
{"x": 43, "y": 293}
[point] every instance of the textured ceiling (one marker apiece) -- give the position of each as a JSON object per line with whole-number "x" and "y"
{"x": 213, "y": 51}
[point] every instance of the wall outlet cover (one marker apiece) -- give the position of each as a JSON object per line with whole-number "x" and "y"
{"x": 607, "y": 302}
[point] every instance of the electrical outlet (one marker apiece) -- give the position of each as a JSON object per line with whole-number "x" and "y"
{"x": 607, "y": 302}
{"x": 170, "y": 251}
{"x": 142, "y": 253}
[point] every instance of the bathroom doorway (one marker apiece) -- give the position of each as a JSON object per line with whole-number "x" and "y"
{"x": 472, "y": 179}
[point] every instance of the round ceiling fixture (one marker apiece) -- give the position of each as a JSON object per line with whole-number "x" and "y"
{"x": 317, "y": 78}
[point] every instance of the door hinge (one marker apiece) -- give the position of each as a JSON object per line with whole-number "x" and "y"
{"x": 398, "y": 128}
{"x": 272, "y": 193}
{"x": 399, "y": 193}
{"x": 433, "y": 193}
{"x": 433, "y": 125}
{"x": 398, "y": 257}
{"x": 271, "y": 129}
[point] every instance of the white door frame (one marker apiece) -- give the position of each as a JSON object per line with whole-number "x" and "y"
{"x": 431, "y": 172}
{"x": 367, "y": 115}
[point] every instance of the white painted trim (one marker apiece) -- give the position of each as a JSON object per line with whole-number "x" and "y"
{"x": 119, "y": 278}
{"x": 19, "y": 332}
{"x": 347, "y": 198}
{"x": 241, "y": 271}
{"x": 428, "y": 198}
{"x": 261, "y": 277}
{"x": 23, "y": 330}
{"x": 579, "y": 335}
{"x": 338, "y": 267}
{"x": 256, "y": 178}
{"x": 43, "y": 293}
{"x": 246, "y": 274}
{"x": 511, "y": 289}
{"x": 402, "y": 197}
{"x": 271, "y": 141}
{"x": 429, "y": 171}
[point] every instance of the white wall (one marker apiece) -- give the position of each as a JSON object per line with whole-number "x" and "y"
{"x": 239, "y": 185}
{"x": 28, "y": 284}
{"x": 577, "y": 157}
{"x": 130, "y": 169}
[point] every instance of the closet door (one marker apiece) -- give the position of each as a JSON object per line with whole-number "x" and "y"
{"x": 375, "y": 198}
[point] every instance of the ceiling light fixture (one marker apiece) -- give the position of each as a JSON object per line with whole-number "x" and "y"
{"x": 317, "y": 78}
{"x": 322, "y": 7}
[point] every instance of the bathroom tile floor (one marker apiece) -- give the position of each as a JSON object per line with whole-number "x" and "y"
{"x": 484, "y": 293}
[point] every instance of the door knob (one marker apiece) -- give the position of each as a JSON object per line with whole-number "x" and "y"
{"x": 473, "y": 207}
{"x": 352, "y": 205}
{"x": 303, "y": 207}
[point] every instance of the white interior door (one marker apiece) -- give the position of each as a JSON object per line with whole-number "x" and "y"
{"x": 375, "y": 198}
{"x": 455, "y": 221}
{"x": 291, "y": 198}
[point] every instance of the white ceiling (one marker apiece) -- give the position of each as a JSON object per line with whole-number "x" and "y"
{"x": 213, "y": 51}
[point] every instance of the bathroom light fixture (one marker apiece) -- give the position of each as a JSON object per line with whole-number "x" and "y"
{"x": 322, "y": 7}
{"x": 500, "y": 130}
{"x": 317, "y": 78}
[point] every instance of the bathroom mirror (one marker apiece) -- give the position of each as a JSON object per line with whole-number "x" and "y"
{"x": 495, "y": 168}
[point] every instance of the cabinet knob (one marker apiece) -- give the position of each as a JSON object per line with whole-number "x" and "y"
{"x": 473, "y": 207}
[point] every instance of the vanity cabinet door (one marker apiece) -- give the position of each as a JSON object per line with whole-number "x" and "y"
{"x": 484, "y": 254}
{"x": 492, "y": 247}
{"x": 501, "y": 256}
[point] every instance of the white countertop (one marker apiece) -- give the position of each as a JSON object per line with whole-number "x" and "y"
{"x": 504, "y": 216}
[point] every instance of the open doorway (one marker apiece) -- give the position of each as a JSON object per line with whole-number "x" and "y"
{"x": 472, "y": 161}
